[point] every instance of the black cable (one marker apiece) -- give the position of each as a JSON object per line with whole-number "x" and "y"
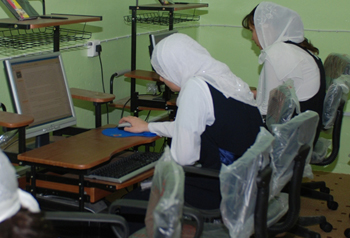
{"x": 122, "y": 114}
{"x": 99, "y": 50}
{"x": 147, "y": 117}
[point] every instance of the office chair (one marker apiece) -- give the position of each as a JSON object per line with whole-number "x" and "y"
{"x": 83, "y": 224}
{"x": 282, "y": 104}
{"x": 336, "y": 65}
{"x": 165, "y": 207}
{"x": 332, "y": 121}
{"x": 245, "y": 192}
{"x": 290, "y": 138}
{"x": 337, "y": 68}
{"x": 241, "y": 215}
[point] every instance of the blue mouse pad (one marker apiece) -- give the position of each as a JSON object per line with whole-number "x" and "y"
{"x": 115, "y": 132}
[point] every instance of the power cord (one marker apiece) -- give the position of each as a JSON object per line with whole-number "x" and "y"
{"x": 99, "y": 50}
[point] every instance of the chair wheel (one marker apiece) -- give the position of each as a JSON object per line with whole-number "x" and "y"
{"x": 325, "y": 190}
{"x": 332, "y": 205}
{"x": 347, "y": 233}
{"x": 327, "y": 227}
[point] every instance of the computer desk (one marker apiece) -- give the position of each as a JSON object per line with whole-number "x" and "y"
{"x": 78, "y": 155}
{"x": 16, "y": 121}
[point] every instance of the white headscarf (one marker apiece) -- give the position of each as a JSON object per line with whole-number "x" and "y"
{"x": 274, "y": 23}
{"x": 11, "y": 197}
{"x": 178, "y": 58}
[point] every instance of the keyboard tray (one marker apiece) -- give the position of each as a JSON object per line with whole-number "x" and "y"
{"x": 126, "y": 168}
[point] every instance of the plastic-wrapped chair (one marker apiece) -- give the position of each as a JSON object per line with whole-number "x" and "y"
{"x": 283, "y": 104}
{"x": 240, "y": 183}
{"x": 165, "y": 207}
{"x": 336, "y": 65}
{"x": 290, "y": 139}
{"x": 245, "y": 192}
{"x": 333, "y": 110}
{"x": 291, "y": 147}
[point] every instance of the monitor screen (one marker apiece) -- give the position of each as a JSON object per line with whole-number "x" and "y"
{"x": 156, "y": 37}
{"x": 39, "y": 88}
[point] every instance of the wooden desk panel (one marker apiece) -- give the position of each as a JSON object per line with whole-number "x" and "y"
{"x": 82, "y": 151}
{"x": 39, "y": 23}
{"x": 91, "y": 96}
{"x": 175, "y": 7}
{"x": 143, "y": 74}
{"x": 95, "y": 194}
{"x": 14, "y": 120}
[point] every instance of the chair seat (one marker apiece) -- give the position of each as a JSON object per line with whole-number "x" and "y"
{"x": 320, "y": 150}
{"x": 188, "y": 231}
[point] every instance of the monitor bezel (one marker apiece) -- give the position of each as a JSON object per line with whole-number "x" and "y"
{"x": 162, "y": 34}
{"x": 41, "y": 129}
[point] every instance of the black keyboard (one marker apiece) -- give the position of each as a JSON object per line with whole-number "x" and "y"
{"x": 126, "y": 168}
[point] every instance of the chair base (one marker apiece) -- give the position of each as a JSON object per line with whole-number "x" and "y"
{"x": 300, "y": 228}
{"x": 309, "y": 190}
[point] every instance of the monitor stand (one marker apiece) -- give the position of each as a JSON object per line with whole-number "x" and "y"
{"x": 42, "y": 140}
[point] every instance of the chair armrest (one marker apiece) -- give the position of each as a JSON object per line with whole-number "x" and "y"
{"x": 116, "y": 75}
{"x": 127, "y": 203}
{"x": 118, "y": 223}
{"x": 201, "y": 171}
{"x": 197, "y": 217}
{"x": 195, "y": 214}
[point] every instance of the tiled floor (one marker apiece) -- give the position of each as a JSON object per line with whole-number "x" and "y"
{"x": 340, "y": 189}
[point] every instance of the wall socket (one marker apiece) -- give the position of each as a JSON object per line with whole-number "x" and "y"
{"x": 92, "y": 48}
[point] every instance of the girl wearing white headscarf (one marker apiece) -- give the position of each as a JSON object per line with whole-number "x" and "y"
{"x": 286, "y": 54}
{"x": 19, "y": 212}
{"x": 217, "y": 119}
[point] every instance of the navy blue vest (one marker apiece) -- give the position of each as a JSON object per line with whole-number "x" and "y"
{"x": 316, "y": 102}
{"x": 233, "y": 132}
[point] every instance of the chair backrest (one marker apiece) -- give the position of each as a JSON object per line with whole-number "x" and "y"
{"x": 335, "y": 65}
{"x": 290, "y": 162}
{"x": 336, "y": 92}
{"x": 289, "y": 137}
{"x": 333, "y": 109}
{"x": 283, "y": 104}
{"x": 164, "y": 211}
{"x": 288, "y": 205}
{"x": 238, "y": 184}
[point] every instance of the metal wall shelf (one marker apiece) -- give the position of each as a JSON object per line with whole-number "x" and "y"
{"x": 158, "y": 18}
{"x": 26, "y": 39}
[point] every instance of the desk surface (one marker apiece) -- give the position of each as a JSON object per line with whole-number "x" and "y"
{"x": 175, "y": 7}
{"x": 39, "y": 23}
{"x": 83, "y": 151}
{"x": 91, "y": 96}
{"x": 14, "y": 120}
{"x": 143, "y": 74}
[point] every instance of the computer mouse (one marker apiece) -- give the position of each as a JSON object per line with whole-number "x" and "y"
{"x": 121, "y": 126}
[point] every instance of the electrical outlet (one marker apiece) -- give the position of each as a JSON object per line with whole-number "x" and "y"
{"x": 92, "y": 48}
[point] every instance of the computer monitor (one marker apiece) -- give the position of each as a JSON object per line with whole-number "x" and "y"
{"x": 154, "y": 39}
{"x": 39, "y": 88}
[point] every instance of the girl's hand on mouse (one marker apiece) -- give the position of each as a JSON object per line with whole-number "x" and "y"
{"x": 137, "y": 125}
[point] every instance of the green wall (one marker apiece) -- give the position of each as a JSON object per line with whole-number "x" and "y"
{"x": 219, "y": 30}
